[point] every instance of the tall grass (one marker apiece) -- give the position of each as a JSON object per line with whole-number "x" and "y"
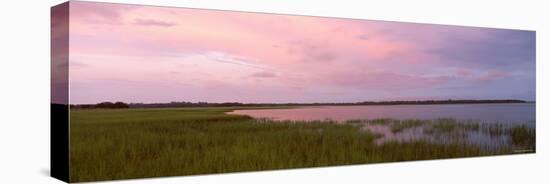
{"x": 523, "y": 136}
{"x": 136, "y": 143}
{"x": 399, "y": 126}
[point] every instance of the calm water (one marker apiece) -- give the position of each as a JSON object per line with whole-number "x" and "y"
{"x": 489, "y": 115}
{"x": 484, "y": 113}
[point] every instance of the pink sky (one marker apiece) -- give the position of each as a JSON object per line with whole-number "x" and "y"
{"x": 157, "y": 54}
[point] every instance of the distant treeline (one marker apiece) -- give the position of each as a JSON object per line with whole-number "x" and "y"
{"x": 237, "y": 104}
{"x": 102, "y": 105}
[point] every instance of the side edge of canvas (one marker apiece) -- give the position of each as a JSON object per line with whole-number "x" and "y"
{"x": 59, "y": 113}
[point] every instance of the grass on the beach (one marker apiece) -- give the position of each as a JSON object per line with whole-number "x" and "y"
{"x": 137, "y": 143}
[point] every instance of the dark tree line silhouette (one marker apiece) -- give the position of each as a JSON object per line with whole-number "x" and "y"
{"x": 121, "y": 105}
{"x": 103, "y": 105}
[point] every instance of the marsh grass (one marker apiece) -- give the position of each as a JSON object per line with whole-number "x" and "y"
{"x": 136, "y": 143}
{"x": 399, "y": 126}
{"x": 523, "y": 136}
{"x": 494, "y": 129}
{"x": 443, "y": 126}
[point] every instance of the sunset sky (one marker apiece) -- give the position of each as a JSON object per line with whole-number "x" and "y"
{"x": 157, "y": 54}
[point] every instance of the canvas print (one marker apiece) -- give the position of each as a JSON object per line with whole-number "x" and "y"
{"x": 148, "y": 91}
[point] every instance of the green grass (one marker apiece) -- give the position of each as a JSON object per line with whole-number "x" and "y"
{"x": 399, "y": 126}
{"x": 137, "y": 143}
{"x": 444, "y": 126}
{"x": 523, "y": 136}
{"x": 493, "y": 129}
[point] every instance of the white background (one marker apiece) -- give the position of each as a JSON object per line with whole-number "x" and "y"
{"x": 24, "y": 90}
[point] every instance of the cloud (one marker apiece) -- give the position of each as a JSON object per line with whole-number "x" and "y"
{"x": 363, "y": 37}
{"x": 152, "y": 22}
{"x": 383, "y": 81}
{"x": 76, "y": 65}
{"x": 236, "y": 60}
{"x": 264, "y": 74}
{"x": 100, "y": 13}
{"x": 492, "y": 76}
{"x": 313, "y": 51}
{"x": 500, "y": 49}
{"x": 335, "y": 59}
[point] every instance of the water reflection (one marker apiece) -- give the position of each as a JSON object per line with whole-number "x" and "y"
{"x": 447, "y": 131}
{"x": 387, "y": 134}
{"x": 490, "y": 126}
{"x": 483, "y": 113}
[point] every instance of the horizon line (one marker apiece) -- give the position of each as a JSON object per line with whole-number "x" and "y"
{"x": 355, "y": 102}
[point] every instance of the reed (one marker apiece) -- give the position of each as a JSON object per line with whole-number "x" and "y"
{"x": 137, "y": 143}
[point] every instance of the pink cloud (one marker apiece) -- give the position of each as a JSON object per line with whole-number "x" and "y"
{"x": 152, "y": 22}
{"x": 264, "y": 74}
{"x": 491, "y": 76}
{"x": 303, "y": 57}
{"x": 383, "y": 81}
